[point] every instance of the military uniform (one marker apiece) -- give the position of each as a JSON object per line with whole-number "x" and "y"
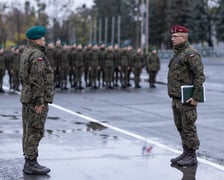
{"x": 137, "y": 64}
{"x": 124, "y": 68}
{"x": 109, "y": 67}
{"x": 57, "y": 60}
{"x": 117, "y": 63}
{"x": 15, "y": 69}
{"x": 64, "y": 65}
{"x": 185, "y": 68}
{"x": 94, "y": 67}
{"x": 37, "y": 79}
{"x": 78, "y": 63}
{"x": 2, "y": 69}
{"x": 101, "y": 76}
{"x": 152, "y": 67}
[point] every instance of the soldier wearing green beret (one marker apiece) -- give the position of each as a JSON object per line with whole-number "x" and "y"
{"x": 37, "y": 79}
{"x": 185, "y": 68}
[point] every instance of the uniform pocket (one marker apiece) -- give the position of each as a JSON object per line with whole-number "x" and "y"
{"x": 190, "y": 113}
{"x": 36, "y": 120}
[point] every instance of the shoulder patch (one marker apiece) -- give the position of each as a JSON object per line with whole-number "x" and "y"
{"x": 191, "y": 55}
{"x": 40, "y": 59}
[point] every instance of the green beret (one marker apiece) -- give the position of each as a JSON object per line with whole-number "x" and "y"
{"x": 35, "y": 32}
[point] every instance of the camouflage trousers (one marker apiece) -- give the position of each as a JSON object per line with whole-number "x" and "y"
{"x": 185, "y": 117}
{"x": 33, "y": 129}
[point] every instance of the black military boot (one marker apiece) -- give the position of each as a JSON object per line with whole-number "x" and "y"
{"x": 33, "y": 167}
{"x": 189, "y": 159}
{"x": 178, "y": 158}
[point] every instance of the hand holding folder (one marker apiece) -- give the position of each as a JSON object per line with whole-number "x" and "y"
{"x": 187, "y": 93}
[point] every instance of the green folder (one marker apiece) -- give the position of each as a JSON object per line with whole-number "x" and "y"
{"x": 187, "y": 93}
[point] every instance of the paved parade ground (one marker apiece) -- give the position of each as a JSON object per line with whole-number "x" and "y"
{"x": 117, "y": 134}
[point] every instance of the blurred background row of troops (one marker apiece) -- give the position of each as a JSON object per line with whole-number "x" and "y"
{"x": 92, "y": 66}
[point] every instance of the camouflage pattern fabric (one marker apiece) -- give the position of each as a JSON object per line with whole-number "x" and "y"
{"x": 184, "y": 118}
{"x": 185, "y": 68}
{"x": 37, "y": 79}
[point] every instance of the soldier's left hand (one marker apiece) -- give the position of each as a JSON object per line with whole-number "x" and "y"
{"x": 39, "y": 108}
{"x": 192, "y": 102}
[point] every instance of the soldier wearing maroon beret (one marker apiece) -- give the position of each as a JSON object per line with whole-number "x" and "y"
{"x": 185, "y": 68}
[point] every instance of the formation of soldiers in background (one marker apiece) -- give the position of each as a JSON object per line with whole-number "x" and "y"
{"x": 92, "y": 66}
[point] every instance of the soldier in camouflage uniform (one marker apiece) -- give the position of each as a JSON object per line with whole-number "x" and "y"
{"x": 109, "y": 67}
{"x": 2, "y": 69}
{"x": 78, "y": 62}
{"x": 117, "y": 63}
{"x": 94, "y": 66}
{"x": 37, "y": 79}
{"x": 185, "y": 68}
{"x": 71, "y": 73}
{"x": 101, "y": 76}
{"x": 15, "y": 68}
{"x": 57, "y": 60}
{"x": 64, "y": 65}
{"x": 137, "y": 65}
{"x": 124, "y": 67}
{"x": 152, "y": 67}
{"x": 87, "y": 52}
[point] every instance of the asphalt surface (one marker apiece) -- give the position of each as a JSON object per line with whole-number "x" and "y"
{"x": 117, "y": 134}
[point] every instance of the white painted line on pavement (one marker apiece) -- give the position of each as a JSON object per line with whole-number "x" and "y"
{"x": 148, "y": 140}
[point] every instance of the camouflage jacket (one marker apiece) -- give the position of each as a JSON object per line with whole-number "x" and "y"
{"x": 109, "y": 59}
{"x": 94, "y": 58}
{"x": 185, "y": 68}
{"x": 137, "y": 61}
{"x": 36, "y": 76}
{"x": 152, "y": 62}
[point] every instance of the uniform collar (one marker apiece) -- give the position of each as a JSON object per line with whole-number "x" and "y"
{"x": 181, "y": 46}
{"x": 31, "y": 44}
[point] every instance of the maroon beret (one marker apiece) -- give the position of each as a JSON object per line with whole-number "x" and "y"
{"x": 178, "y": 29}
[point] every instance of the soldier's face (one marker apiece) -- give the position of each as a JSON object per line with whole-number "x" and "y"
{"x": 177, "y": 38}
{"x": 41, "y": 41}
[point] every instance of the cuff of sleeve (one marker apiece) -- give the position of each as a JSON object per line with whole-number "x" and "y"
{"x": 40, "y": 101}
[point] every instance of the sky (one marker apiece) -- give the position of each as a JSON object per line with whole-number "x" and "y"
{"x": 77, "y": 3}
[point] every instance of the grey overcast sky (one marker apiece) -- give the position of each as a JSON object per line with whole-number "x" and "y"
{"x": 77, "y": 3}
